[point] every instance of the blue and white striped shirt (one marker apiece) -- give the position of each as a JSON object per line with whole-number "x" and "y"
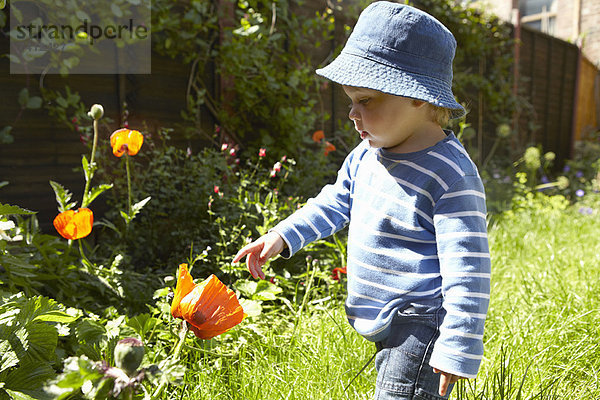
{"x": 417, "y": 238}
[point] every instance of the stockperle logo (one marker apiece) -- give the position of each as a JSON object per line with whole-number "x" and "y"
{"x": 80, "y": 37}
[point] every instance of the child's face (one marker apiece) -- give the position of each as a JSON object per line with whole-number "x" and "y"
{"x": 387, "y": 121}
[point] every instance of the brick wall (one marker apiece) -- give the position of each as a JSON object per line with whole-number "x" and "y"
{"x": 565, "y": 19}
{"x": 590, "y": 28}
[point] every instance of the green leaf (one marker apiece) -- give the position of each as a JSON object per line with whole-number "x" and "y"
{"x": 8, "y": 358}
{"x": 73, "y": 98}
{"x": 34, "y": 102}
{"x": 63, "y": 196}
{"x": 2, "y": 4}
{"x": 90, "y": 331}
{"x": 62, "y": 102}
{"x": 17, "y": 266}
{"x": 35, "y": 342}
{"x": 57, "y": 316}
{"x": 29, "y": 375}
{"x": 110, "y": 225}
{"x": 137, "y": 207}
{"x": 125, "y": 216}
{"x": 2, "y": 184}
{"x": 95, "y": 192}
{"x": 23, "y": 97}
{"x": 18, "y": 395}
{"x": 5, "y": 136}
{"x": 42, "y": 340}
{"x": 251, "y": 308}
{"x": 6, "y": 209}
{"x": 248, "y": 288}
{"x": 82, "y": 15}
{"x": 143, "y": 324}
{"x": 88, "y": 169}
{"x": 76, "y": 371}
{"x": 116, "y": 10}
{"x": 13, "y": 58}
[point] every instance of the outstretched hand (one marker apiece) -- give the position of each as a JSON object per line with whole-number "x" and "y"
{"x": 259, "y": 251}
{"x": 446, "y": 379}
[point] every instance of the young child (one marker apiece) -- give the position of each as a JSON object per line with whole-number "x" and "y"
{"x": 418, "y": 259}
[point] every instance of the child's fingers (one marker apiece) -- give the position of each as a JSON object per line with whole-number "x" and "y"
{"x": 247, "y": 249}
{"x": 268, "y": 251}
{"x": 240, "y": 254}
{"x": 264, "y": 254}
{"x": 444, "y": 382}
{"x": 254, "y": 265}
{"x": 250, "y": 261}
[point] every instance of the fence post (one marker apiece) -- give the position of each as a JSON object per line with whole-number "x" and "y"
{"x": 516, "y": 22}
{"x": 226, "y": 18}
{"x": 575, "y": 104}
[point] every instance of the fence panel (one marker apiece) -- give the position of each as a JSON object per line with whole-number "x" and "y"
{"x": 548, "y": 72}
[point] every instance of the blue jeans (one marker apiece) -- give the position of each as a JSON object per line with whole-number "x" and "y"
{"x": 402, "y": 361}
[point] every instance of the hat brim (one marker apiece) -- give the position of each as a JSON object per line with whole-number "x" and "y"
{"x": 352, "y": 70}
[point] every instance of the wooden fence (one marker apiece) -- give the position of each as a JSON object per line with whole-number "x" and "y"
{"x": 587, "y": 100}
{"x": 43, "y": 150}
{"x": 548, "y": 70}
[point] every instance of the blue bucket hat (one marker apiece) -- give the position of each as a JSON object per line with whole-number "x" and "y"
{"x": 400, "y": 50}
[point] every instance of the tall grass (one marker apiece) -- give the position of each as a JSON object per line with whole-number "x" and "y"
{"x": 316, "y": 363}
{"x": 543, "y": 328}
{"x": 542, "y": 333}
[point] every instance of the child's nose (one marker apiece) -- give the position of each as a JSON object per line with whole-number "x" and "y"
{"x": 353, "y": 114}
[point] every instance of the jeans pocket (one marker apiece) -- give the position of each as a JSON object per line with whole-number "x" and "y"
{"x": 405, "y": 351}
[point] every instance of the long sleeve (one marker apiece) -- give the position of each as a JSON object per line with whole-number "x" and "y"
{"x": 324, "y": 214}
{"x": 461, "y": 236}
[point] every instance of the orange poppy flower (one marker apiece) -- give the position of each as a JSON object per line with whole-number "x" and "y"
{"x": 209, "y": 307}
{"x": 126, "y": 140}
{"x": 336, "y": 274}
{"x": 329, "y": 147}
{"x": 318, "y": 136}
{"x": 74, "y": 224}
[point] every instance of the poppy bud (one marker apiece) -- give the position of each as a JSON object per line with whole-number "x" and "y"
{"x": 129, "y": 353}
{"x": 96, "y": 112}
{"x": 503, "y": 131}
{"x": 169, "y": 280}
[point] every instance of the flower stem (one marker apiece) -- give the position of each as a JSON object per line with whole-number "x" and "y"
{"x": 175, "y": 355}
{"x": 83, "y": 256}
{"x": 128, "y": 187}
{"x": 128, "y": 393}
{"x": 90, "y": 172}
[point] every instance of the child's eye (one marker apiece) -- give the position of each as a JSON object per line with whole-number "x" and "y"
{"x": 361, "y": 101}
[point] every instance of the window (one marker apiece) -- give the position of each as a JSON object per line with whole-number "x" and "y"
{"x": 538, "y": 14}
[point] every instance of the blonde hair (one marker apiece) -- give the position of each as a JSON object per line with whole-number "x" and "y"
{"x": 439, "y": 115}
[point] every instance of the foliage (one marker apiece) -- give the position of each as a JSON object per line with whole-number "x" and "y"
{"x": 199, "y": 201}
{"x": 29, "y": 333}
{"x": 270, "y": 95}
{"x": 41, "y": 264}
{"x": 482, "y": 74}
